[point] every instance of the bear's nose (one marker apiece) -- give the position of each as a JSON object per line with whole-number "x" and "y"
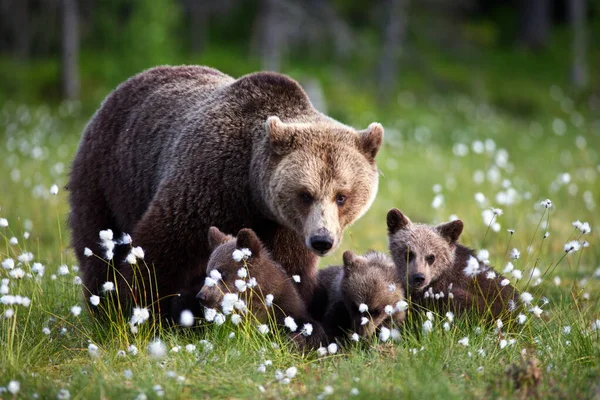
{"x": 201, "y": 296}
{"x": 418, "y": 279}
{"x": 321, "y": 243}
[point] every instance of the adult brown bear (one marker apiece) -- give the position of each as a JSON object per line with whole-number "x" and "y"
{"x": 175, "y": 150}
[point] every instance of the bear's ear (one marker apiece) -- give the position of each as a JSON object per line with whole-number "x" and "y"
{"x": 451, "y": 230}
{"x": 397, "y": 221}
{"x": 280, "y": 138}
{"x": 370, "y": 140}
{"x": 246, "y": 238}
{"x": 351, "y": 260}
{"x": 216, "y": 238}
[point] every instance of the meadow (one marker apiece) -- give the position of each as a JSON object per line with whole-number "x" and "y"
{"x": 445, "y": 156}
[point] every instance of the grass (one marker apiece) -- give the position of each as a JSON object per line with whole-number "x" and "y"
{"x": 523, "y": 161}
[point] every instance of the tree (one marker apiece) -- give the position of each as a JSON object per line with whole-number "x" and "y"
{"x": 393, "y": 32}
{"x": 535, "y": 21}
{"x": 70, "y": 50}
{"x": 577, "y": 14}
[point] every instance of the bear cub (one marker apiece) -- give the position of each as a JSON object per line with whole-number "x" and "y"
{"x": 439, "y": 273}
{"x": 241, "y": 274}
{"x": 361, "y": 295}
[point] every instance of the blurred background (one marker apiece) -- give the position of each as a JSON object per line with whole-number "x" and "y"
{"x": 507, "y": 53}
{"x": 486, "y": 103}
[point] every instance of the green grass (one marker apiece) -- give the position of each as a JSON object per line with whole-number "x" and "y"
{"x": 38, "y": 143}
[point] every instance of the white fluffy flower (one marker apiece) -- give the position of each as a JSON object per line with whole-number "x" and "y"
{"x": 215, "y": 274}
{"x": 364, "y": 320}
{"x": 427, "y": 326}
{"x": 546, "y": 203}
{"x": 263, "y": 329}
{"x": 236, "y": 319}
{"x": 106, "y": 235}
{"x": 186, "y": 318}
{"x": 237, "y": 255}
{"x": 517, "y": 274}
{"x": 521, "y": 319}
{"x": 87, "y": 252}
{"x": 362, "y": 308}
{"x": 483, "y": 256}
{"x": 490, "y": 275}
{"x": 108, "y": 286}
{"x": 209, "y": 282}
{"x": 526, "y": 297}
{"x": 537, "y": 311}
{"x": 130, "y": 259}
{"x": 472, "y": 268}
{"x": 38, "y": 268}
{"x": 17, "y": 273}
{"x": 515, "y": 254}
{"x": 63, "y": 270}
{"x": 252, "y": 282}
{"x": 464, "y": 341}
{"x": 384, "y": 334}
{"x": 503, "y": 343}
{"x": 290, "y": 323}
{"x": 572, "y": 246}
{"x": 94, "y": 300}
{"x": 240, "y": 285}
{"x": 138, "y": 252}
{"x": 307, "y": 329}
{"x": 219, "y": 319}
{"x": 291, "y": 372}
{"x": 209, "y": 314}
{"x": 242, "y": 273}
{"x": 139, "y": 316}
{"x": 354, "y": 337}
{"x": 14, "y": 387}
{"x": 76, "y": 310}
{"x": 269, "y": 300}
{"x": 504, "y": 282}
{"x": 93, "y": 350}
{"x": 228, "y": 302}
{"x": 402, "y": 306}
{"x": 54, "y": 189}
{"x": 9, "y": 263}
{"x": 332, "y": 348}
{"x": 26, "y": 257}
{"x": 450, "y": 316}
{"x": 296, "y": 278}
{"x": 132, "y": 349}
{"x": 157, "y": 349}
{"x": 389, "y": 310}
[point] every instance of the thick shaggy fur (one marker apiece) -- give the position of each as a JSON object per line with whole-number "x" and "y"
{"x": 372, "y": 280}
{"x": 271, "y": 279}
{"x": 175, "y": 150}
{"x": 434, "y": 253}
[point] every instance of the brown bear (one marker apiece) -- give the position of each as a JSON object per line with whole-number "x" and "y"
{"x": 439, "y": 273}
{"x": 260, "y": 282}
{"x": 175, "y": 150}
{"x": 360, "y": 296}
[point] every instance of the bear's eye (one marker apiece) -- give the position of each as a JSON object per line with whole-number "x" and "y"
{"x": 341, "y": 199}
{"x": 306, "y": 197}
{"x": 430, "y": 259}
{"x": 375, "y": 313}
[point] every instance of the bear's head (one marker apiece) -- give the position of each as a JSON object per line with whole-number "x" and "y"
{"x": 321, "y": 177}
{"x": 231, "y": 265}
{"x": 370, "y": 292}
{"x": 421, "y": 253}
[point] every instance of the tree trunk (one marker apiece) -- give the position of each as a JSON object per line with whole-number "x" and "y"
{"x": 70, "y": 50}
{"x": 272, "y": 36}
{"x": 577, "y": 19}
{"x": 535, "y": 20}
{"x": 21, "y": 29}
{"x": 393, "y": 37}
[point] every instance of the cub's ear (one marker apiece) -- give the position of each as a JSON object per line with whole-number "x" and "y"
{"x": 216, "y": 238}
{"x": 246, "y": 238}
{"x": 451, "y": 230}
{"x": 397, "y": 221}
{"x": 370, "y": 140}
{"x": 351, "y": 260}
{"x": 280, "y": 138}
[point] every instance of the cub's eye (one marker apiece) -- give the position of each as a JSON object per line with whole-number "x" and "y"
{"x": 375, "y": 313}
{"x": 306, "y": 197}
{"x": 430, "y": 259}
{"x": 340, "y": 199}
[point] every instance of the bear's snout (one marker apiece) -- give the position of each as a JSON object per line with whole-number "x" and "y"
{"x": 322, "y": 241}
{"x": 418, "y": 279}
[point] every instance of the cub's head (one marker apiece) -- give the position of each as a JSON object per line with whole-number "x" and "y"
{"x": 225, "y": 271}
{"x": 370, "y": 291}
{"x": 322, "y": 177}
{"x": 421, "y": 253}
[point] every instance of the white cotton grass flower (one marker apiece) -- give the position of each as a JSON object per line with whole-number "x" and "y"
{"x": 290, "y": 323}
{"x": 209, "y": 314}
{"x": 139, "y": 316}
{"x": 13, "y": 387}
{"x": 384, "y": 334}
{"x": 515, "y": 254}
{"x": 228, "y": 302}
{"x": 508, "y": 268}
{"x": 291, "y": 372}
{"x": 9, "y": 313}
{"x": 108, "y": 286}
{"x": 364, "y": 320}
{"x": 446, "y": 325}
{"x": 63, "y": 270}
{"x": 546, "y": 203}
{"x": 484, "y": 256}
{"x": 8, "y": 264}
{"x": 263, "y": 329}
{"x": 427, "y": 326}
{"x": 490, "y": 275}
{"x": 157, "y": 349}
{"x": 215, "y": 274}
{"x": 125, "y": 239}
{"x": 63, "y": 394}
{"x": 354, "y": 337}
{"x": 464, "y": 341}
{"x": 557, "y": 281}
{"x": 88, "y": 252}
{"x": 130, "y": 259}
{"x": 585, "y": 228}
{"x": 389, "y": 310}
{"x": 354, "y": 391}
{"x": 17, "y": 273}
{"x": 94, "y": 300}
{"x": 521, "y": 318}
{"x": 526, "y": 297}
{"x": 76, "y": 310}
{"x": 14, "y": 241}
{"x": 219, "y": 319}
{"x": 497, "y": 211}
{"x": 517, "y": 274}
{"x": 332, "y": 348}
{"x": 537, "y": 311}
{"x": 209, "y": 282}
{"x": 252, "y": 282}
{"x": 242, "y": 273}
{"x": 296, "y": 278}
{"x": 572, "y": 246}
{"x": 269, "y": 300}
{"x": 186, "y": 318}
{"x": 240, "y": 285}
{"x": 401, "y": 306}
{"x": 26, "y": 257}
{"x": 3, "y": 223}
{"x": 54, "y": 190}
{"x": 132, "y": 349}
{"x": 93, "y": 350}
{"x": 362, "y": 308}
{"x": 307, "y": 329}
{"x": 138, "y": 252}
{"x": 472, "y": 268}
{"x": 236, "y": 319}
{"x": 504, "y": 282}
{"x": 450, "y": 316}
{"x": 106, "y": 235}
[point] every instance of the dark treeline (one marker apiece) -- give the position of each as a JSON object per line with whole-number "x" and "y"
{"x": 129, "y": 35}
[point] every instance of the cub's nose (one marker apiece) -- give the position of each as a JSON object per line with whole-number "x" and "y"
{"x": 418, "y": 279}
{"x": 321, "y": 243}
{"x": 201, "y": 296}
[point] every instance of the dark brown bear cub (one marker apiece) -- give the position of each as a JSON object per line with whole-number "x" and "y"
{"x": 439, "y": 273}
{"x": 242, "y": 275}
{"x": 361, "y": 295}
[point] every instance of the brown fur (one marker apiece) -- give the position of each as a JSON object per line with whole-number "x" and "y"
{"x": 371, "y": 279}
{"x": 175, "y": 150}
{"x": 410, "y": 246}
{"x": 271, "y": 279}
